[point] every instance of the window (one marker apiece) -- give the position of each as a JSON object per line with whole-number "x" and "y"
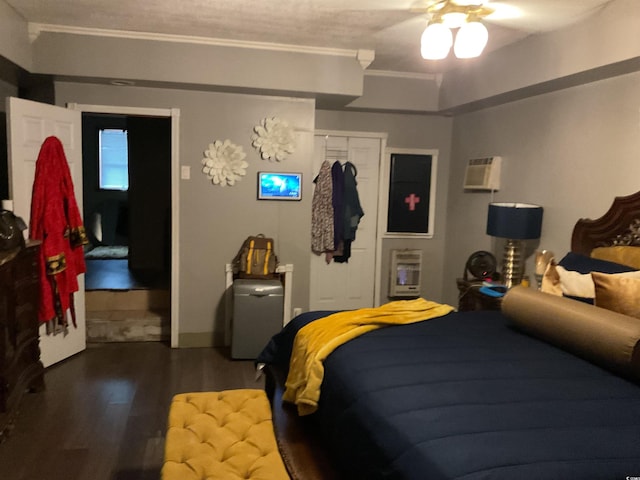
{"x": 411, "y": 179}
{"x": 113, "y": 158}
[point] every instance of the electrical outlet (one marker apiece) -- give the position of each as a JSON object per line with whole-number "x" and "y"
{"x": 297, "y": 311}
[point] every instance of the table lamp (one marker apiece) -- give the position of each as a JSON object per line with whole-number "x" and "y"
{"x": 515, "y": 222}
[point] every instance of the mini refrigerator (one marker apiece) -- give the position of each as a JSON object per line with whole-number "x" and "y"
{"x": 258, "y": 307}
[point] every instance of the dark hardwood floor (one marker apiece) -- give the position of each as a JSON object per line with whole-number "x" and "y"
{"x": 103, "y": 413}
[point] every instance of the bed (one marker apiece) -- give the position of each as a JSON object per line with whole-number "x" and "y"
{"x": 546, "y": 389}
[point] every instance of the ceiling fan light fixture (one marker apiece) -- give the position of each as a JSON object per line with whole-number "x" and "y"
{"x": 436, "y": 42}
{"x": 464, "y": 15}
{"x": 454, "y": 19}
{"x": 471, "y": 40}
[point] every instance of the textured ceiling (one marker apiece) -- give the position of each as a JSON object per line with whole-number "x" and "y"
{"x": 386, "y": 26}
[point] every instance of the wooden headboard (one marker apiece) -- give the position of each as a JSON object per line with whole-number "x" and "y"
{"x": 619, "y": 226}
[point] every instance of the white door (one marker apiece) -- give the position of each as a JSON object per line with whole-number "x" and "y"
{"x": 28, "y": 124}
{"x": 344, "y": 286}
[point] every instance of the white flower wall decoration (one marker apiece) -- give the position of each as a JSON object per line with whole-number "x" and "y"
{"x": 224, "y": 163}
{"x": 274, "y": 138}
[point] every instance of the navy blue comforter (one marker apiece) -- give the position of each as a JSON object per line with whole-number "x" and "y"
{"x": 467, "y": 397}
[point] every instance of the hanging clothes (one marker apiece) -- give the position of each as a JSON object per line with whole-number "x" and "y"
{"x": 352, "y": 211}
{"x": 337, "y": 179}
{"x": 322, "y": 233}
{"x": 57, "y": 223}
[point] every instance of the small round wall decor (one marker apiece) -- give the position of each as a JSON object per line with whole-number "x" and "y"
{"x": 224, "y": 163}
{"x": 274, "y": 139}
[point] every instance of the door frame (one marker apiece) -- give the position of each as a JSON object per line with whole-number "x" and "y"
{"x": 382, "y": 136}
{"x": 174, "y": 114}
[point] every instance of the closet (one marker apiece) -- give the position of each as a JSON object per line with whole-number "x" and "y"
{"x": 350, "y": 285}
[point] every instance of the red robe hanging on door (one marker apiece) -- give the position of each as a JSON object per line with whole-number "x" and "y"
{"x": 57, "y": 223}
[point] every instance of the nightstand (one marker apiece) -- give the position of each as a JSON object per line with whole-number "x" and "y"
{"x": 470, "y": 298}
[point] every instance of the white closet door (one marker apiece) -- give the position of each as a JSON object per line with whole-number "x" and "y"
{"x": 338, "y": 286}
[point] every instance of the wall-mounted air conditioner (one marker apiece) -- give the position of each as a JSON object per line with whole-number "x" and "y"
{"x": 483, "y": 174}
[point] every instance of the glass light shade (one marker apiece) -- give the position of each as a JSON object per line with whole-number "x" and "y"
{"x": 471, "y": 40}
{"x": 436, "y": 42}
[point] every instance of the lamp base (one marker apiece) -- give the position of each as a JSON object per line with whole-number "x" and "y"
{"x": 512, "y": 263}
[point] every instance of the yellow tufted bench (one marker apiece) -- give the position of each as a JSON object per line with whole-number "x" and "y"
{"x": 224, "y": 435}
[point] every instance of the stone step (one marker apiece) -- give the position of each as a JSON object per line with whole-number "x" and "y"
{"x": 128, "y": 326}
{"x": 104, "y": 300}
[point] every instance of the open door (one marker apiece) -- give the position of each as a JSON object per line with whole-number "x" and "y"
{"x": 28, "y": 124}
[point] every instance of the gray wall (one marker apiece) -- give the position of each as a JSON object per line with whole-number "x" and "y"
{"x": 14, "y": 37}
{"x": 214, "y": 220}
{"x": 600, "y": 46}
{"x": 167, "y": 64}
{"x": 570, "y": 151}
{"x": 418, "y": 132}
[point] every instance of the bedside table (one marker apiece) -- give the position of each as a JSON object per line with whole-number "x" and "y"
{"x": 470, "y": 298}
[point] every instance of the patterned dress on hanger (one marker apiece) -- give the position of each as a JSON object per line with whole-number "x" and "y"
{"x": 322, "y": 233}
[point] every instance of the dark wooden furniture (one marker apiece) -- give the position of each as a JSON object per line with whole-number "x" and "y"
{"x": 619, "y": 226}
{"x": 20, "y": 366}
{"x": 470, "y": 298}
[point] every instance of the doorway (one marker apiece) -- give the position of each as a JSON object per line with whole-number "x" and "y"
{"x": 128, "y": 222}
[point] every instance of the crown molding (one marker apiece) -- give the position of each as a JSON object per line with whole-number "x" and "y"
{"x": 437, "y": 77}
{"x": 35, "y": 29}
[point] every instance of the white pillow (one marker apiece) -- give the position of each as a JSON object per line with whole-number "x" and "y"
{"x": 576, "y": 284}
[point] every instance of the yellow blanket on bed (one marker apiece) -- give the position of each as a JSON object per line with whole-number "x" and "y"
{"x": 315, "y": 341}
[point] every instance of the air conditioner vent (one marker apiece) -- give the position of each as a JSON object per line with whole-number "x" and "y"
{"x": 483, "y": 174}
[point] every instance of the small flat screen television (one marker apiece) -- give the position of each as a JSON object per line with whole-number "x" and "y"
{"x": 279, "y": 186}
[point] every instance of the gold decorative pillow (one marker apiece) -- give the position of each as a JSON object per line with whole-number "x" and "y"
{"x": 617, "y": 293}
{"x": 624, "y": 255}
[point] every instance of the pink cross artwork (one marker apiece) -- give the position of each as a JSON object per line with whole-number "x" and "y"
{"x": 411, "y": 200}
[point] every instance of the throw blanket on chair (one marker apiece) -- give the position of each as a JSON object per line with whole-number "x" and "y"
{"x": 315, "y": 341}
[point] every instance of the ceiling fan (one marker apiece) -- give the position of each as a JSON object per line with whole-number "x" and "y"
{"x": 401, "y": 23}
{"x": 528, "y": 15}
{"x": 452, "y": 11}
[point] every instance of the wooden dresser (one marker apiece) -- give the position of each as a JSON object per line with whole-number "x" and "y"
{"x": 20, "y": 366}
